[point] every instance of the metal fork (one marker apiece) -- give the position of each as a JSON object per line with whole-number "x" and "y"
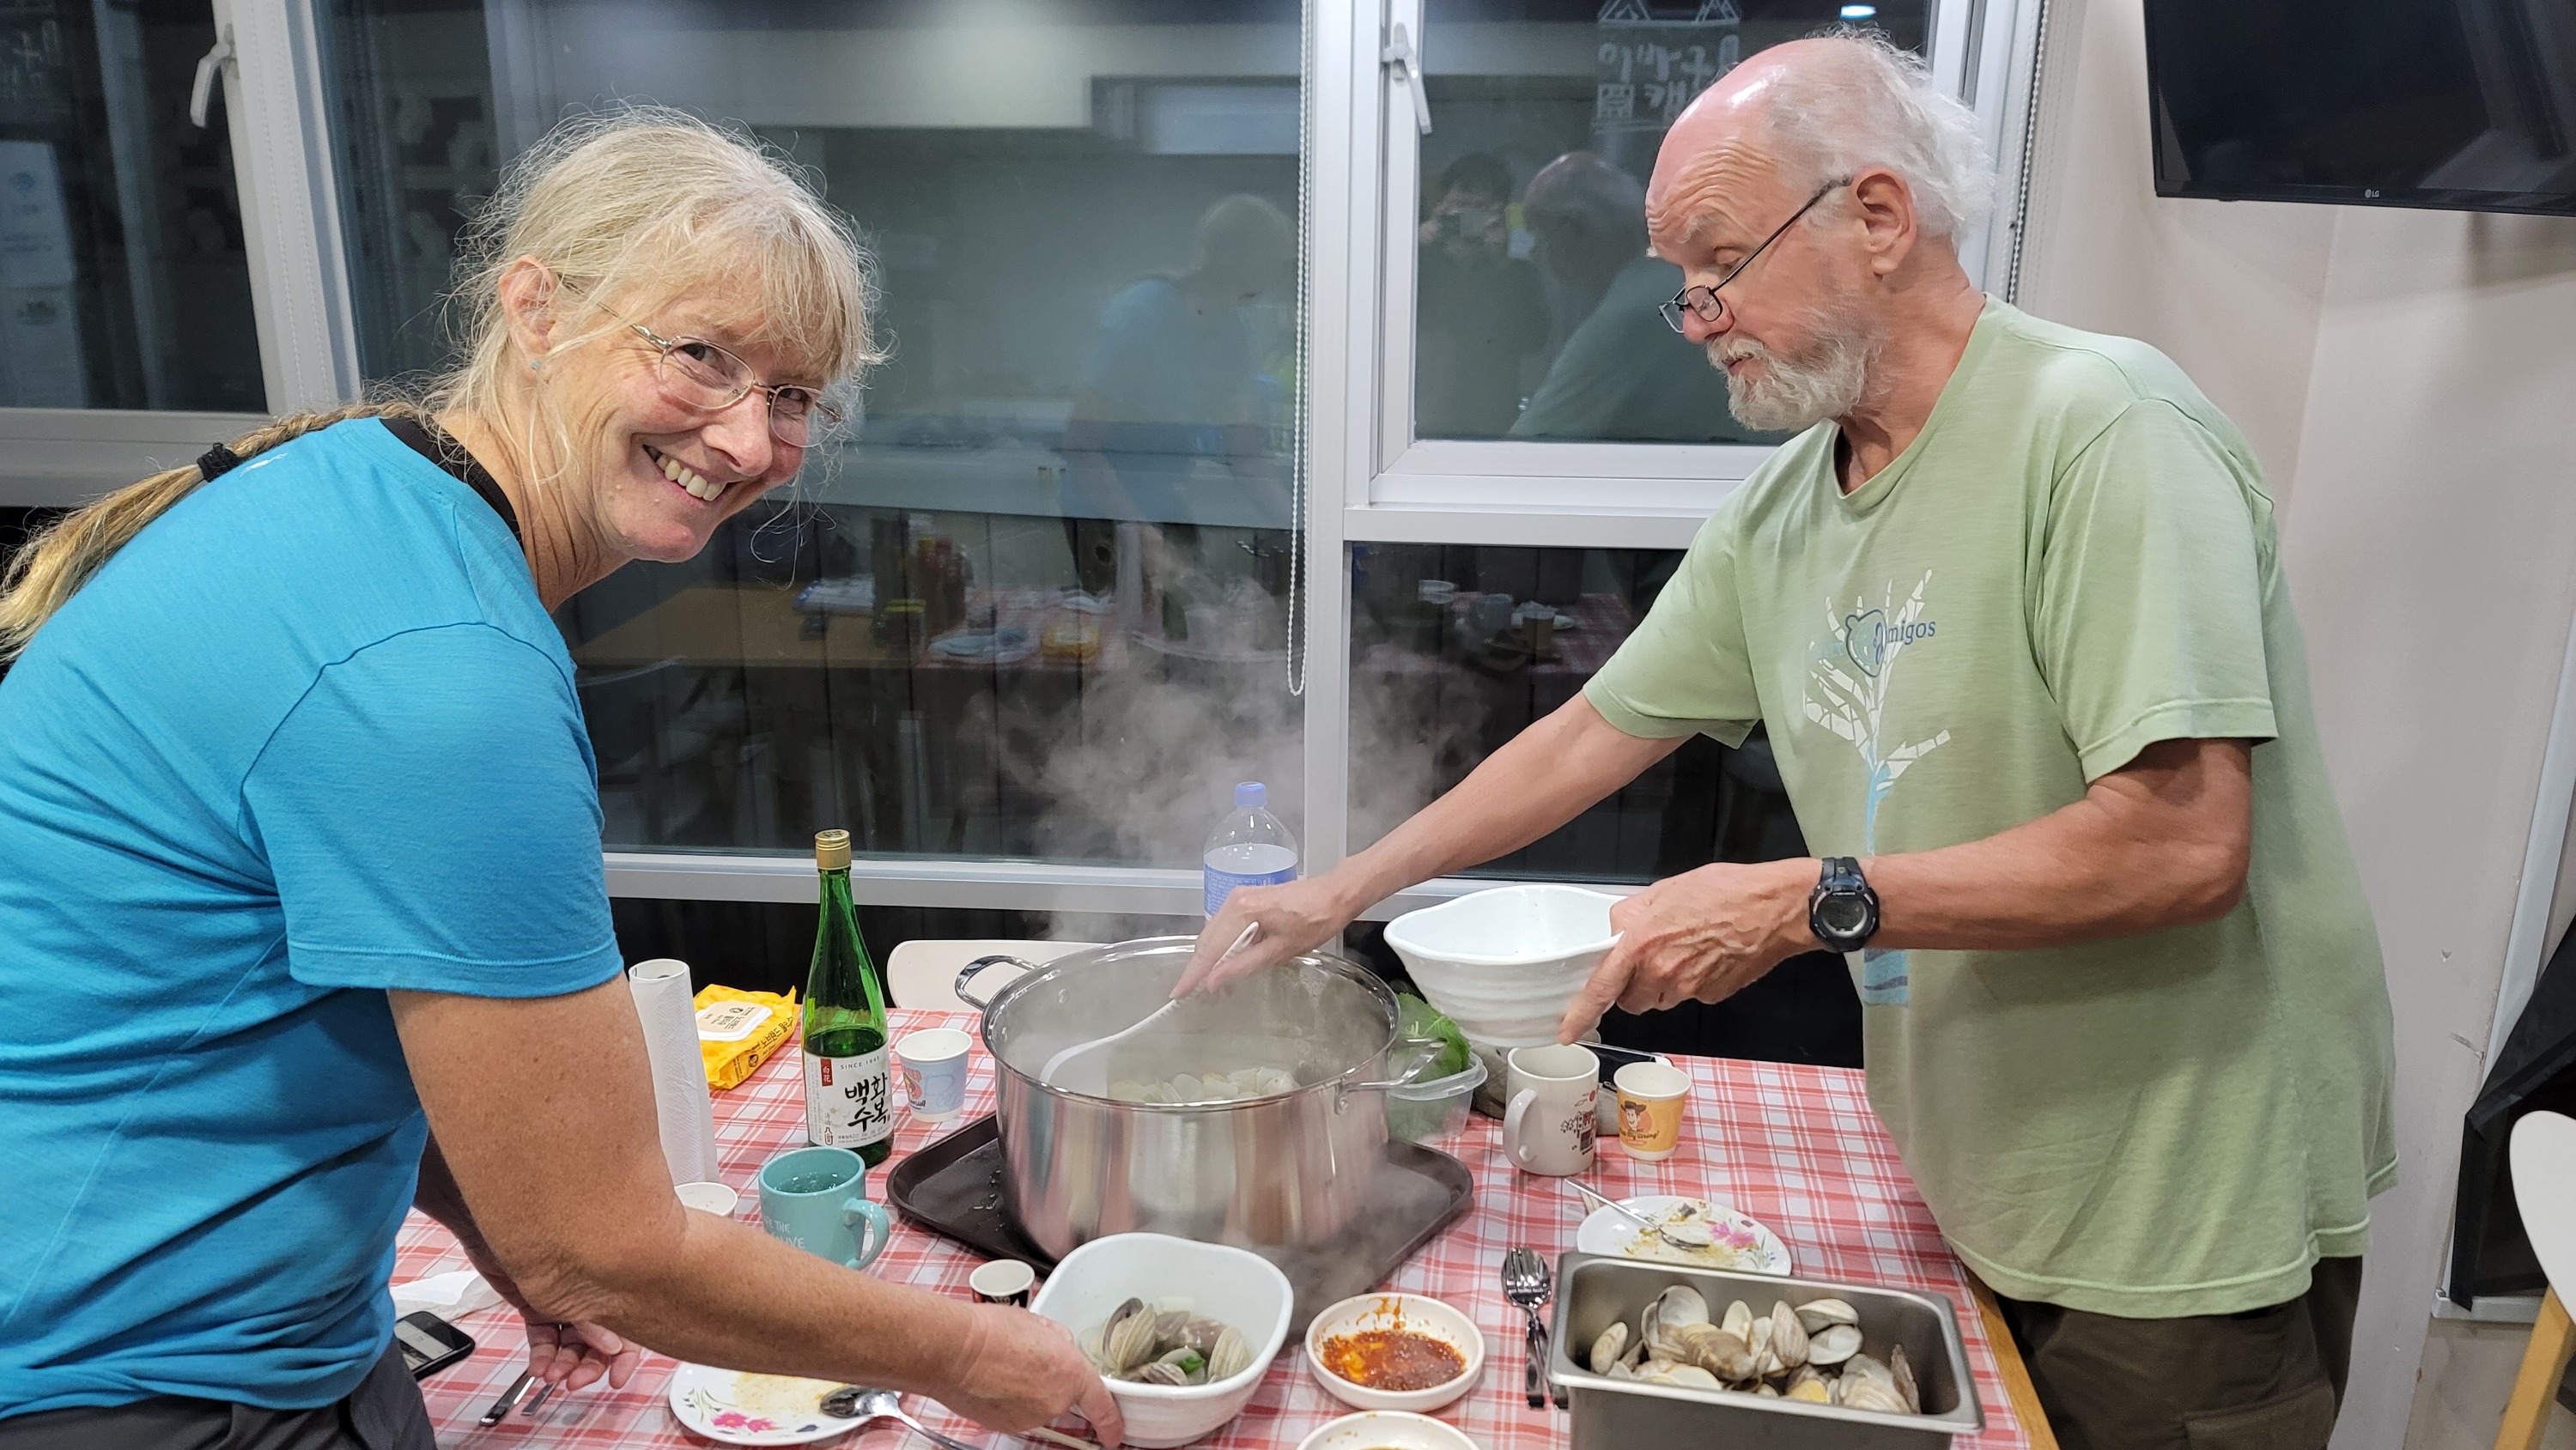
{"x": 1526, "y": 1284}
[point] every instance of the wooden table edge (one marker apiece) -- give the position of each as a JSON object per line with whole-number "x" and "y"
{"x": 2018, "y": 1389}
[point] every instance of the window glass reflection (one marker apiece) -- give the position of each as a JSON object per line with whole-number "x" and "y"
{"x": 1035, "y": 603}
{"x": 124, "y": 282}
{"x": 1455, "y": 650}
{"x": 1535, "y": 314}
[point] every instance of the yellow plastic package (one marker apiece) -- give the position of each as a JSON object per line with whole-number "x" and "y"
{"x": 738, "y": 1030}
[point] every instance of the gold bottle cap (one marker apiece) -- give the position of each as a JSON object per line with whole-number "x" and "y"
{"x": 832, "y": 850}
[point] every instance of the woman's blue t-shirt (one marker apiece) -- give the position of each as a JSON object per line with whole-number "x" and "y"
{"x": 309, "y": 736}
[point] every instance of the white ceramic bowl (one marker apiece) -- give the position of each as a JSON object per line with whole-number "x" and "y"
{"x": 1389, "y": 1429}
{"x": 1233, "y": 1286}
{"x": 1502, "y": 964}
{"x": 1417, "y": 1314}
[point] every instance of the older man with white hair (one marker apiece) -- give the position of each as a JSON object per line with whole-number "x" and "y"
{"x": 2012, "y": 609}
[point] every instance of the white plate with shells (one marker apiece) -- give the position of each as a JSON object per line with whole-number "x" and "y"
{"x": 1735, "y": 1243}
{"x": 1811, "y": 1352}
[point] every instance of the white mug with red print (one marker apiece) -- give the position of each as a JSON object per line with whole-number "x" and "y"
{"x": 1548, "y": 1117}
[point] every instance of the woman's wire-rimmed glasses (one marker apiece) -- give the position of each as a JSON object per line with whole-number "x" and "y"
{"x": 1704, "y": 301}
{"x": 703, "y": 376}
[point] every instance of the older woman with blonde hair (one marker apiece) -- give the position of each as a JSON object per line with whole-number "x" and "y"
{"x": 303, "y": 921}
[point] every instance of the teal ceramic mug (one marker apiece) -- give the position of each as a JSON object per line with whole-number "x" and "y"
{"x": 817, "y": 1199}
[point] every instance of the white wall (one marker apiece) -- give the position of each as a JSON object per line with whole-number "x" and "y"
{"x": 2409, "y": 380}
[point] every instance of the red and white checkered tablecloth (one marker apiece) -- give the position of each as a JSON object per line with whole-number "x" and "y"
{"x": 1796, "y": 1147}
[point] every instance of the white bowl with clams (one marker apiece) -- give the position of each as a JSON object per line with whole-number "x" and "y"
{"x": 1388, "y": 1430}
{"x": 1413, "y": 1314}
{"x": 1233, "y": 1286}
{"x": 1503, "y": 963}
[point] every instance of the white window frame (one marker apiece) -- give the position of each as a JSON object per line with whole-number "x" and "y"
{"x": 1368, "y": 480}
{"x": 271, "y": 89}
{"x": 1602, "y": 495}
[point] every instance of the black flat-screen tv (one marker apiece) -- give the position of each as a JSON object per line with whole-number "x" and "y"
{"x": 2456, "y": 104}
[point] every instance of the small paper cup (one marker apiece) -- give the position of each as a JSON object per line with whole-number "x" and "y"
{"x": 1003, "y": 1281}
{"x": 934, "y": 1072}
{"x": 716, "y": 1198}
{"x": 1651, "y": 1098}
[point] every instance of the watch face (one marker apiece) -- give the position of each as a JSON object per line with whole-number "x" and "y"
{"x": 1842, "y": 913}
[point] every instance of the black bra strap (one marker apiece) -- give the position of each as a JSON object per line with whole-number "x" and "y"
{"x": 440, "y": 447}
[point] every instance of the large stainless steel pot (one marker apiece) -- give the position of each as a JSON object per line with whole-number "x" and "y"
{"x": 1288, "y": 1169}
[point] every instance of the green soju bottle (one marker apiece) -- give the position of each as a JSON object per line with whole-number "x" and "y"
{"x": 849, "y": 1089}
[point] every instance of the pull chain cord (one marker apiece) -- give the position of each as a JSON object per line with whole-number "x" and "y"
{"x": 1300, "y": 423}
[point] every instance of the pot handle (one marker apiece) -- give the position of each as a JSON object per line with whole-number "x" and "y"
{"x": 977, "y": 968}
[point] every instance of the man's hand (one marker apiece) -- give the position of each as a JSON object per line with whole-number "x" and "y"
{"x": 1018, "y": 1371}
{"x": 1295, "y": 916}
{"x": 1701, "y": 935}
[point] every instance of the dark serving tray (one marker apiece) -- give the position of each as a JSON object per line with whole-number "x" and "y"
{"x": 953, "y": 1188}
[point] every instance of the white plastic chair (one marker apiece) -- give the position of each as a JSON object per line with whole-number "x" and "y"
{"x": 924, "y": 973}
{"x": 2544, "y": 1184}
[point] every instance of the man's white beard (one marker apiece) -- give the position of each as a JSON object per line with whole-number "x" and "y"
{"x": 1824, "y": 380}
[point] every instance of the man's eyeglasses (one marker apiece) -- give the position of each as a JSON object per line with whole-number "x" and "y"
{"x": 699, "y": 375}
{"x": 1704, "y": 300}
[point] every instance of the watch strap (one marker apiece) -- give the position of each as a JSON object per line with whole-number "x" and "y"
{"x": 1840, "y": 877}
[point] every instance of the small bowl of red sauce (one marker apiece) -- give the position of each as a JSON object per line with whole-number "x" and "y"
{"x": 1395, "y": 1352}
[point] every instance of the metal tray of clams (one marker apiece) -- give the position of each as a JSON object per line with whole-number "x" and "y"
{"x": 1905, "y": 1342}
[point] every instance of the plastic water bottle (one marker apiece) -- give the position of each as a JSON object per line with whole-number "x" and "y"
{"x": 1248, "y": 848}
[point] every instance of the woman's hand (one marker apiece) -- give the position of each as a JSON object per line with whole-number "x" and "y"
{"x": 574, "y": 1356}
{"x": 1018, "y": 1371}
{"x": 577, "y": 1356}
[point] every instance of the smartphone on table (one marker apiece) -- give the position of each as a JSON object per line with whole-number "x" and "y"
{"x": 429, "y": 1344}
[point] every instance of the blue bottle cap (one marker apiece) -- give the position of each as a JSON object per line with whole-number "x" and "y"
{"x": 1252, "y": 795}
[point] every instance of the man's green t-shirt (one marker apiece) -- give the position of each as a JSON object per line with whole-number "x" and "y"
{"x": 2074, "y": 559}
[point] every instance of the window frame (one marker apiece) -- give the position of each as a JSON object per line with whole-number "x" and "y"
{"x": 1360, "y": 166}
{"x": 1588, "y": 493}
{"x": 271, "y": 90}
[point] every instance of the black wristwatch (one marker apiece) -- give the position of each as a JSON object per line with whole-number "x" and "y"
{"x": 1843, "y": 911}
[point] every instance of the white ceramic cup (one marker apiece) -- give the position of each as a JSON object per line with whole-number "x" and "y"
{"x": 934, "y": 1071}
{"x": 716, "y": 1198}
{"x": 1549, "y": 1122}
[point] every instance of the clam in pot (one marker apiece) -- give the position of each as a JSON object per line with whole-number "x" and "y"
{"x": 1290, "y": 1165}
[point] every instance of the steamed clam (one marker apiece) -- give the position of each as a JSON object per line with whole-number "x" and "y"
{"x": 1127, "y": 1340}
{"x": 1674, "y": 1308}
{"x": 1788, "y": 1336}
{"x": 1607, "y": 1349}
{"x": 1833, "y": 1344}
{"x": 1809, "y": 1352}
{"x": 1666, "y": 1372}
{"x": 1820, "y": 1314}
{"x": 1229, "y": 1355}
{"x": 1164, "y": 1344}
{"x": 1720, "y": 1352}
{"x": 1902, "y": 1374}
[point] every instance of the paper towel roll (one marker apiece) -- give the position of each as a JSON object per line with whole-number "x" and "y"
{"x": 662, "y": 1001}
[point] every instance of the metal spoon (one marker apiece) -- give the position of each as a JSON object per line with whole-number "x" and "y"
{"x": 1661, "y": 1231}
{"x": 857, "y": 1402}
